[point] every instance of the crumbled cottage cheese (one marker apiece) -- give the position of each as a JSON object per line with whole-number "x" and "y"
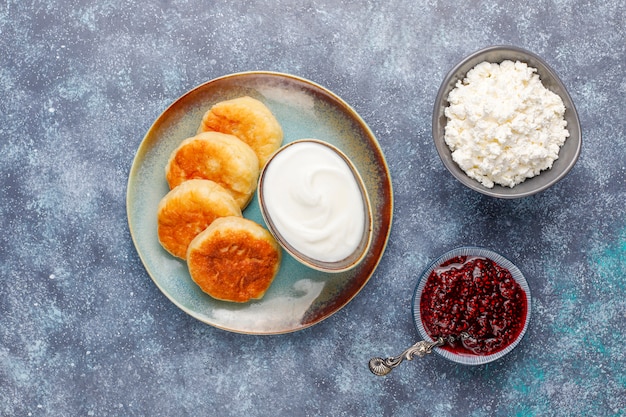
{"x": 503, "y": 125}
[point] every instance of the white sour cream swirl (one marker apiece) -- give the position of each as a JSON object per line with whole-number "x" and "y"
{"x": 314, "y": 201}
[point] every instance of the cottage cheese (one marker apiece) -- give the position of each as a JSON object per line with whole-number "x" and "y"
{"x": 503, "y": 125}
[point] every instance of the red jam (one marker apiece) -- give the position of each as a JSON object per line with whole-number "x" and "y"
{"x": 474, "y": 295}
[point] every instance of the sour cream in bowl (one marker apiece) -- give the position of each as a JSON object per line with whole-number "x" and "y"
{"x": 314, "y": 202}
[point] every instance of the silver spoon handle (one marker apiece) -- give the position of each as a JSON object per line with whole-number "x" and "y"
{"x": 381, "y": 367}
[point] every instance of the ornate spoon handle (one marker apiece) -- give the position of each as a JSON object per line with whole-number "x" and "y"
{"x": 381, "y": 367}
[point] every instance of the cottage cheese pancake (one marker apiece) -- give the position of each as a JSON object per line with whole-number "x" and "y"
{"x": 234, "y": 259}
{"x": 190, "y": 208}
{"x": 248, "y": 119}
{"x": 218, "y": 157}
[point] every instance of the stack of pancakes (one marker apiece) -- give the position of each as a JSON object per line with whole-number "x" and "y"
{"x": 212, "y": 177}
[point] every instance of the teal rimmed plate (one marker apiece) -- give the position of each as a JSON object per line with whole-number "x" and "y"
{"x": 299, "y": 296}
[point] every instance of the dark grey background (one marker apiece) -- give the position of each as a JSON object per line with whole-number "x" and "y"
{"x": 84, "y": 331}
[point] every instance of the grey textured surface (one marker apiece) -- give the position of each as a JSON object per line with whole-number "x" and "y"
{"x": 84, "y": 331}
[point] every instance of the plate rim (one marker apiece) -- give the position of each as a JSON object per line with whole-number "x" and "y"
{"x": 143, "y": 147}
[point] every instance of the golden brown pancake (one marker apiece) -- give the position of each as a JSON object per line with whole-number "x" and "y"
{"x": 218, "y": 157}
{"x": 190, "y": 208}
{"x": 234, "y": 259}
{"x": 249, "y": 120}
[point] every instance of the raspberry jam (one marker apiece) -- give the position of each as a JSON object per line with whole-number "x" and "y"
{"x": 473, "y": 294}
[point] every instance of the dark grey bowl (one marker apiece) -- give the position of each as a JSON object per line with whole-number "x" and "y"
{"x": 569, "y": 152}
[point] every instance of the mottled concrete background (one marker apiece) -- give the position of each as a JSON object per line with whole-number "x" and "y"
{"x": 85, "y": 332}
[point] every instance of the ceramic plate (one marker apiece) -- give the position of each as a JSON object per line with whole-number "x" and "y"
{"x": 299, "y": 296}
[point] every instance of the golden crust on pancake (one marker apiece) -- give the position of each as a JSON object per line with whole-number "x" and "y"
{"x": 190, "y": 208}
{"x": 234, "y": 259}
{"x": 219, "y": 157}
{"x": 248, "y": 119}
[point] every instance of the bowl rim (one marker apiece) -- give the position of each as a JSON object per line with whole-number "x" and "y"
{"x": 475, "y": 251}
{"x": 439, "y": 120}
{"x": 342, "y": 265}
